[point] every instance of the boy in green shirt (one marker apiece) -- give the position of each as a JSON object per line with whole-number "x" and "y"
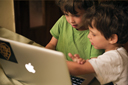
{"x": 69, "y": 32}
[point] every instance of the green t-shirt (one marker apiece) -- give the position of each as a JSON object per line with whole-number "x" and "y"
{"x": 73, "y": 41}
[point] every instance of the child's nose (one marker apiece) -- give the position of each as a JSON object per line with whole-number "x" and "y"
{"x": 89, "y": 35}
{"x": 72, "y": 20}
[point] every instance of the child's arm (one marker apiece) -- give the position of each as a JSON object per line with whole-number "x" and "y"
{"x": 52, "y": 44}
{"x": 78, "y": 69}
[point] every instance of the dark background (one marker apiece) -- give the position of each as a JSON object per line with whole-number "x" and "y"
{"x": 40, "y": 34}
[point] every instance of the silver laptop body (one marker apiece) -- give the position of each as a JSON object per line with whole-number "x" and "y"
{"x": 34, "y": 65}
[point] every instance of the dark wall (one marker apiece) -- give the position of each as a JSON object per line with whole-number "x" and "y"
{"x": 39, "y": 34}
{"x": 126, "y": 46}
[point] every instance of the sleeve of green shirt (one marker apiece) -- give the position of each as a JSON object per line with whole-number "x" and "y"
{"x": 55, "y": 31}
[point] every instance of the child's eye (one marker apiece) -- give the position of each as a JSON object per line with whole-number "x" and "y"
{"x": 66, "y": 14}
{"x": 93, "y": 34}
{"x": 77, "y": 15}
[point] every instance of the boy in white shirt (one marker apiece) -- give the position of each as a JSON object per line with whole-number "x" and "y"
{"x": 108, "y": 30}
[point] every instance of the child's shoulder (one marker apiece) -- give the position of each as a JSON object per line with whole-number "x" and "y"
{"x": 116, "y": 54}
{"x": 62, "y": 19}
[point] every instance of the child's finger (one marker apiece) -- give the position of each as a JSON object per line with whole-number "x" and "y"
{"x": 79, "y": 60}
{"x": 71, "y": 56}
{"x": 76, "y": 55}
{"x": 83, "y": 61}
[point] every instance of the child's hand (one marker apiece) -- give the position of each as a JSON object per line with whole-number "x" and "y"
{"x": 76, "y": 58}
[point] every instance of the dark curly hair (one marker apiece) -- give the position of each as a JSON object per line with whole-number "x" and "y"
{"x": 70, "y": 5}
{"x": 109, "y": 18}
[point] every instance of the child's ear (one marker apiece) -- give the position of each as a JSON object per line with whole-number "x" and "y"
{"x": 113, "y": 39}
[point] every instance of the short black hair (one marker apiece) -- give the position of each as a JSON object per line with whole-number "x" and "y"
{"x": 109, "y": 19}
{"x": 70, "y": 5}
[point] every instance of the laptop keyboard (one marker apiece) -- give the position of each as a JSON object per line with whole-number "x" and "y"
{"x": 76, "y": 80}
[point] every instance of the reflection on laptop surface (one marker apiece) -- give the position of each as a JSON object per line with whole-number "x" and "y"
{"x": 35, "y": 65}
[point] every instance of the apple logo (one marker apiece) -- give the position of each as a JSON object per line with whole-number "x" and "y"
{"x": 30, "y": 68}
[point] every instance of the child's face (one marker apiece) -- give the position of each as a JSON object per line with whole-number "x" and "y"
{"x": 75, "y": 20}
{"x": 97, "y": 39}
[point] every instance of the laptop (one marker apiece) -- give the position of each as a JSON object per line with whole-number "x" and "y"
{"x": 35, "y": 65}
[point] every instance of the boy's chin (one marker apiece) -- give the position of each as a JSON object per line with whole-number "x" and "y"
{"x": 97, "y": 47}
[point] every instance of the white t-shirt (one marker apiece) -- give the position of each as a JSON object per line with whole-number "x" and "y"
{"x": 112, "y": 66}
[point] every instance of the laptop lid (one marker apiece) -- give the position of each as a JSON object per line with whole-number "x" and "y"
{"x": 33, "y": 65}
